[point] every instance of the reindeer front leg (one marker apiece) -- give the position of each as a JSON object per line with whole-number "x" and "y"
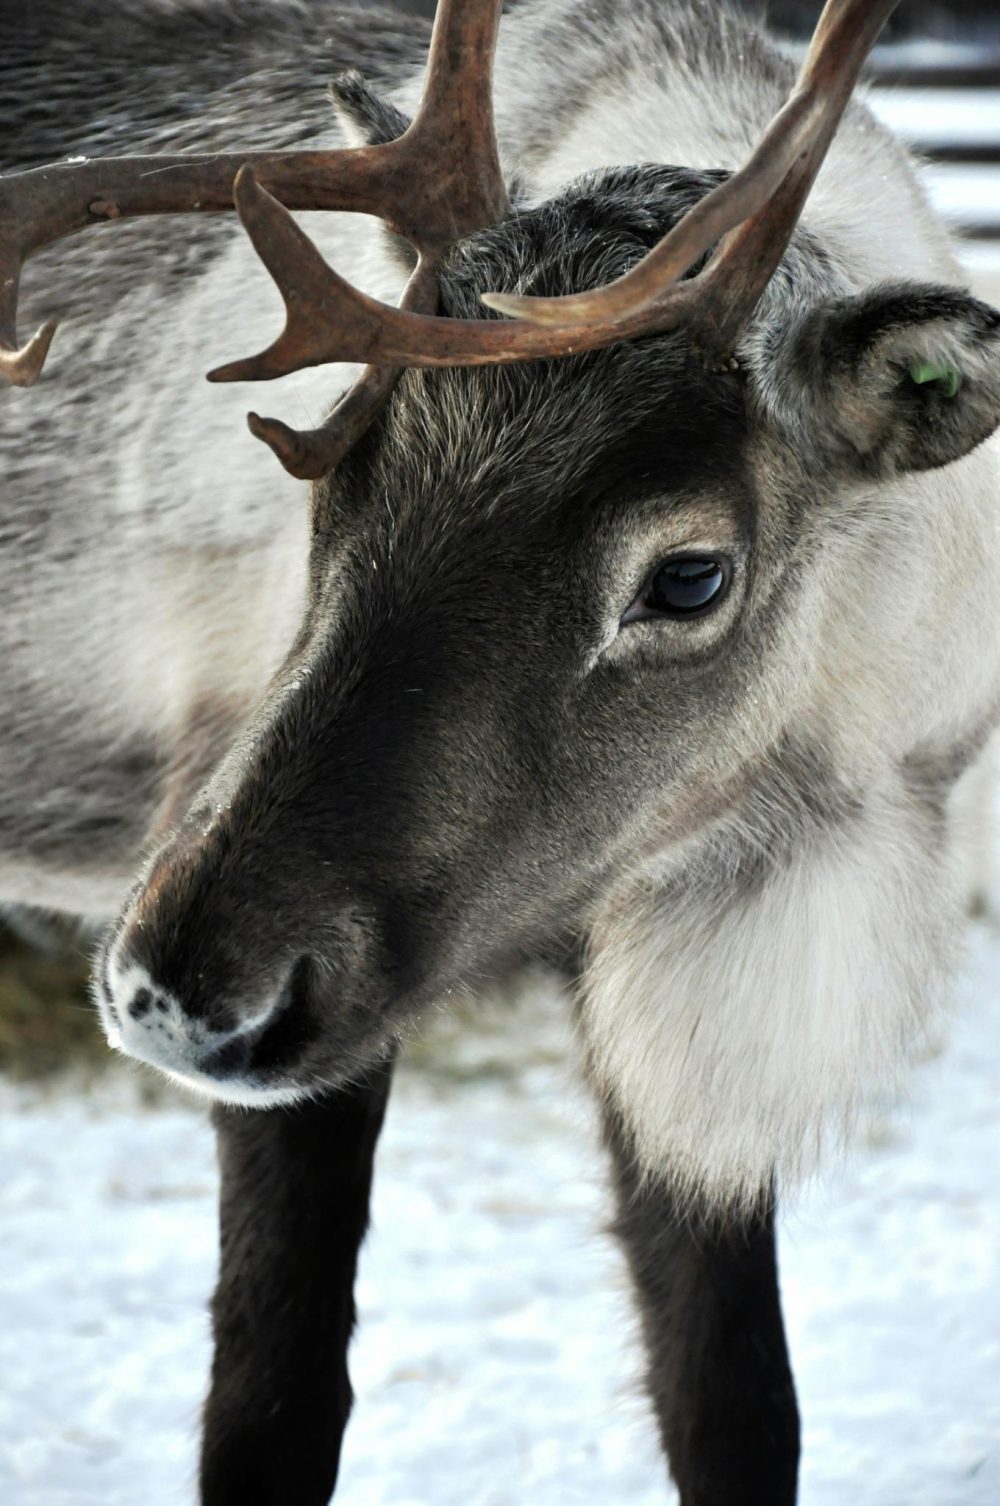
{"x": 719, "y": 1375}
{"x": 294, "y": 1210}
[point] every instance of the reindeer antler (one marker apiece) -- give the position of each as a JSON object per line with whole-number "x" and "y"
{"x": 436, "y": 183}
{"x": 764, "y": 199}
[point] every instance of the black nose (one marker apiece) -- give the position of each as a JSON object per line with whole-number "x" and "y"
{"x": 231, "y": 1060}
{"x": 278, "y": 1041}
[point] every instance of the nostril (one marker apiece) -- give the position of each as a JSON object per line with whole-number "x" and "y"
{"x": 229, "y": 1060}
{"x": 273, "y": 1038}
{"x": 296, "y": 985}
{"x": 140, "y": 1004}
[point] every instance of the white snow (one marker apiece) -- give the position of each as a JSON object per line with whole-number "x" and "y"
{"x": 496, "y": 1362}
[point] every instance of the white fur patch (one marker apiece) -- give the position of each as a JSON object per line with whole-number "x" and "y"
{"x": 737, "y": 1037}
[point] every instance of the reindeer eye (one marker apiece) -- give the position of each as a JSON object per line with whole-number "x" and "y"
{"x": 685, "y": 586}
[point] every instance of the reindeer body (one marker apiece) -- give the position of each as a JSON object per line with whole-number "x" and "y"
{"x": 763, "y": 902}
{"x": 192, "y": 595}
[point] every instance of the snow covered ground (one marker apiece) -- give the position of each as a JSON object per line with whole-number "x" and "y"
{"x": 496, "y": 1362}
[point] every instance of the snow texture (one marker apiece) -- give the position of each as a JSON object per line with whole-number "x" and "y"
{"x": 496, "y": 1361}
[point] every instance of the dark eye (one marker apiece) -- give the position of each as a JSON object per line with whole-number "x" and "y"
{"x": 682, "y": 587}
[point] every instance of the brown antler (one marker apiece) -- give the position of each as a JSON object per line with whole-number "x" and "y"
{"x": 438, "y": 182}
{"x": 764, "y": 199}
{"x": 311, "y": 453}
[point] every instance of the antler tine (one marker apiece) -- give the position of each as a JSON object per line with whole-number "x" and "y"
{"x": 455, "y": 120}
{"x": 311, "y": 453}
{"x": 739, "y": 272}
{"x": 312, "y": 291}
{"x": 22, "y": 366}
{"x": 764, "y": 198}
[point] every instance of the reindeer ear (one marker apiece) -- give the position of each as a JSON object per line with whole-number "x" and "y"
{"x": 903, "y": 378}
{"x": 365, "y": 117}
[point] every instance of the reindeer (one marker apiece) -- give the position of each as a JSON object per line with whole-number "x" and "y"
{"x": 635, "y": 624}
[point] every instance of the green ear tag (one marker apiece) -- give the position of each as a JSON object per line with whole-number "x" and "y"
{"x": 948, "y": 377}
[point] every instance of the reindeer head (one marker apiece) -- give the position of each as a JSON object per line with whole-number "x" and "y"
{"x": 581, "y": 587}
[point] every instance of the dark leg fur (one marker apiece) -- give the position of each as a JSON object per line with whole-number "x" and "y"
{"x": 295, "y": 1190}
{"x": 719, "y": 1374}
